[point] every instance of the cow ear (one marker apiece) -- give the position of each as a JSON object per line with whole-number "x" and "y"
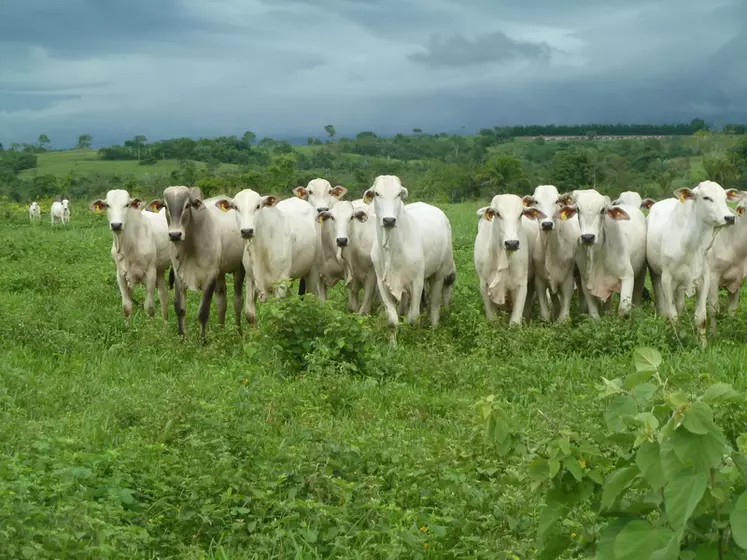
{"x": 739, "y": 209}
{"x": 684, "y": 194}
{"x": 565, "y": 199}
{"x": 155, "y": 205}
{"x": 97, "y": 205}
{"x": 647, "y": 203}
{"x": 197, "y": 204}
{"x": 733, "y": 195}
{"x": 224, "y": 204}
{"x": 489, "y": 214}
{"x": 135, "y": 203}
{"x": 528, "y": 200}
{"x": 481, "y": 211}
{"x": 361, "y": 216}
{"x": 339, "y": 191}
{"x": 301, "y": 193}
{"x": 617, "y": 213}
{"x": 368, "y": 196}
{"x": 534, "y": 213}
{"x": 269, "y": 201}
{"x": 566, "y": 213}
{"x": 323, "y": 216}
{"x": 403, "y": 194}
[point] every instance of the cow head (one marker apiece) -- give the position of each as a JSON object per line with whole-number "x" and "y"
{"x": 546, "y": 199}
{"x": 117, "y": 204}
{"x": 343, "y": 215}
{"x": 320, "y": 194}
{"x": 247, "y": 204}
{"x": 504, "y": 213}
{"x": 180, "y": 203}
{"x": 709, "y": 202}
{"x": 388, "y": 197}
{"x": 592, "y": 209}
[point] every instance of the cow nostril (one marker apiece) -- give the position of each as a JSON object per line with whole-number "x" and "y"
{"x": 389, "y": 222}
{"x": 547, "y": 226}
{"x": 588, "y": 238}
{"x": 175, "y": 235}
{"x": 729, "y": 219}
{"x": 511, "y": 245}
{"x": 116, "y": 226}
{"x": 322, "y": 209}
{"x": 247, "y": 232}
{"x": 342, "y": 241}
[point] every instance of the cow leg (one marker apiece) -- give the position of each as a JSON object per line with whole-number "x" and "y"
{"x": 301, "y": 287}
{"x": 390, "y": 306}
{"x": 180, "y": 303}
{"x": 434, "y": 300}
{"x": 679, "y": 300}
{"x": 582, "y": 306}
{"x": 151, "y": 277}
{"x": 529, "y": 299}
{"x": 666, "y": 290}
{"x": 566, "y": 297}
{"x": 519, "y": 298}
{"x": 416, "y": 294}
{"x": 713, "y": 304}
{"x": 591, "y": 302}
{"x": 203, "y": 312}
{"x": 448, "y": 289}
{"x": 238, "y": 294}
{"x": 163, "y": 295}
{"x": 490, "y": 307}
{"x": 126, "y": 293}
{"x": 220, "y": 298}
{"x": 701, "y": 306}
{"x": 540, "y": 286}
{"x": 638, "y": 286}
{"x": 626, "y": 296}
{"x": 353, "y": 289}
{"x": 734, "y": 301}
{"x": 369, "y": 289}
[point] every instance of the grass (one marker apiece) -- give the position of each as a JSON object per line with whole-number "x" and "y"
{"x": 87, "y": 162}
{"x": 138, "y": 444}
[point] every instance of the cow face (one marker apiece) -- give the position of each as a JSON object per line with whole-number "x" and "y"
{"x": 180, "y": 203}
{"x": 248, "y": 205}
{"x": 547, "y": 200}
{"x": 709, "y": 200}
{"x": 343, "y": 216}
{"x": 320, "y": 194}
{"x": 388, "y": 197}
{"x": 592, "y": 209}
{"x": 117, "y": 204}
{"x": 504, "y": 213}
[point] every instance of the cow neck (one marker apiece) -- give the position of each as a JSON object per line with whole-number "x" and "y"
{"x": 128, "y": 238}
{"x": 697, "y": 236}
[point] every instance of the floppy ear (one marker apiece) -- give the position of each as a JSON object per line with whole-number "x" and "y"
{"x": 322, "y": 217}
{"x": 481, "y": 211}
{"x": 617, "y": 213}
{"x": 403, "y": 194}
{"x": 566, "y": 213}
{"x": 269, "y": 201}
{"x": 565, "y": 199}
{"x": 368, "y": 196}
{"x": 528, "y": 200}
{"x": 135, "y": 203}
{"x": 732, "y": 195}
{"x": 225, "y": 204}
{"x": 339, "y": 191}
{"x": 739, "y": 209}
{"x": 534, "y": 213}
{"x": 647, "y": 203}
{"x": 489, "y": 214}
{"x": 301, "y": 193}
{"x": 155, "y": 205}
{"x": 97, "y": 205}
{"x": 684, "y": 194}
{"x": 361, "y": 216}
{"x": 616, "y": 202}
{"x": 197, "y": 204}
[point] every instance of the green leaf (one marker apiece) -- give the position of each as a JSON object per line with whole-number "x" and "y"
{"x": 574, "y": 468}
{"x": 610, "y": 387}
{"x": 549, "y": 516}
{"x": 646, "y": 359}
{"x": 738, "y": 519}
{"x": 741, "y": 463}
{"x": 702, "y": 452}
{"x": 606, "y": 542}
{"x": 616, "y": 482}
{"x": 742, "y": 443}
{"x": 539, "y": 470}
{"x": 671, "y": 551}
{"x": 648, "y": 460}
{"x": 721, "y": 393}
{"x": 698, "y": 418}
{"x": 596, "y": 476}
{"x": 565, "y": 445}
{"x": 619, "y": 408}
{"x": 681, "y": 497}
{"x": 636, "y": 378}
{"x": 639, "y": 540}
{"x": 644, "y": 393}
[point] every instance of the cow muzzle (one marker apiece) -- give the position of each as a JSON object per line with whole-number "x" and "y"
{"x": 547, "y": 226}
{"x": 389, "y": 222}
{"x": 511, "y": 245}
{"x": 342, "y": 241}
{"x": 116, "y": 226}
{"x": 588, "y": 238}
{"x": 175, "y": 236}
{"x": 247, "y": 233}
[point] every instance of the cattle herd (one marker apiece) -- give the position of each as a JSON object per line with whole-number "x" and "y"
{"x": 546, "y": 246}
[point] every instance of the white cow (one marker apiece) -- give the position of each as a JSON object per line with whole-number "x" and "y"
{"x": 60, "y": 211}
{"x": 354, "y": 226}
{"x": 320, "y": 194}
{"x": 503, "y": 254}
{"x": 680, "y": 232}
{"x": 555, "y": 255}
{"x": 727, "y": 260}
{"x": 140, "y": 249}
{"x": 34, "y": 211}
{"x": 413, "y": 248}
{"x": 205, "y": 246}
{"x": 281, "y": 244}
{"x": 612, "y": 253}
{"x": 632, "y": 198}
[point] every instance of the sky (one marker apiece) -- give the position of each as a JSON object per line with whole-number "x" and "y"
{"x": 285, "y": 68}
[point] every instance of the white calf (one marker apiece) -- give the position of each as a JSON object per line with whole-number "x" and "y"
{"x": 632, "y": 198}
{"x": 34, "y": 211}
{"x": 60, "y": 211}
{"x": 281, "y": 244}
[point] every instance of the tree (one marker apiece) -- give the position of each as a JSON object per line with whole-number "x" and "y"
{"x": 417, "y": 131}
{"x": 571, "y": 169}
{"x": 330, "y": 130}
{"x": 44, "y": 141}
{"x": 84, "y": 142}
{"x": 504, "y": 173}
{"x": 249, "y": 137}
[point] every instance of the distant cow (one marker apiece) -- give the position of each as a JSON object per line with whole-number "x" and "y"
{"x": 320, "y": 194}
{"x": 503, "y": 255}
{"x": 413, "y": 248}
{"x": 206, "y": 245}
{"x": 681, "y": 230}
{"x": 354, "y": 226}
{"x": 555, "y": 255}
{"x": 632, "y": 198}
{"x": 34, "y": 211}
{"x": 140, "y": 249}
{"x": 281, "y": 244}
{"x": 612, "y": 254}
{"x": 60, "y": 211}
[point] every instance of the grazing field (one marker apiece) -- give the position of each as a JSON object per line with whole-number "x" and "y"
{"x": 307, "y": 437}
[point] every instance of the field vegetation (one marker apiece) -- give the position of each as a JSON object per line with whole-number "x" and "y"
{"x": 309, "y": 437}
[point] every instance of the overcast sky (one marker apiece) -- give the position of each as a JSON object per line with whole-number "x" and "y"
{"x": 165, "y": 68}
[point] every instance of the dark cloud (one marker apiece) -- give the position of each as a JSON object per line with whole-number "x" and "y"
{"x": 491, "y": 47}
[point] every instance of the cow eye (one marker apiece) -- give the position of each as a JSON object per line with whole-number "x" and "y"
{"x": 258, "y": 206}
{"x": 603, "y": 210}
{"x": 708, "y": 198}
